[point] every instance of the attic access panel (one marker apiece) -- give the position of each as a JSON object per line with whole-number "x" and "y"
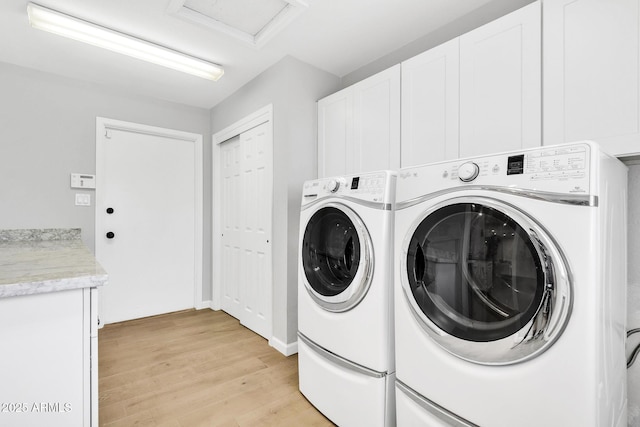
{"x": 252, "y": 21}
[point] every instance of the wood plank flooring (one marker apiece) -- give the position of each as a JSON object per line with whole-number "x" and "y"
{"x": 197, "y": 368}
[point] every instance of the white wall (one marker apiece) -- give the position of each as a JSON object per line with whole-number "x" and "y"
{"x": 293, "y": 87}
{"x": 47, "y": 131}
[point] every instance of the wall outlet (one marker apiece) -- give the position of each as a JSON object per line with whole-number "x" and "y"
{"x": 83, "y": 199}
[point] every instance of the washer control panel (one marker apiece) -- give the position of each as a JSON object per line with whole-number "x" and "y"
{"x": 374, "y": 187}
{"x": 555, "y": 169}
{"x": 550, "y": 164}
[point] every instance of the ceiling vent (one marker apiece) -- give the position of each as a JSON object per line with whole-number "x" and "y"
{"x": 252, "y": 21}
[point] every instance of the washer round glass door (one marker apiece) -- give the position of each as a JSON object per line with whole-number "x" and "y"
{"x": 336, "y": 257}
{"x": 486, "y": 281}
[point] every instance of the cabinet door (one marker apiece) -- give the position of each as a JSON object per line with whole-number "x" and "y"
{"x": 43, "y": 365}
{"x": 430, "y": 100}
{"x": 500, "y": 86}
{"x": 335, "y": 133}
{"x": 376, "y": 109}
{"x": 591, "y": 73}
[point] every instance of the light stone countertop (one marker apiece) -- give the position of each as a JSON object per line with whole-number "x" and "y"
{"x": 48, "y": 260}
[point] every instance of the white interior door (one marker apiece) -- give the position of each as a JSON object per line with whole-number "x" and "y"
{"x": 246, "y": 228}
{"x": 146, "y": 197}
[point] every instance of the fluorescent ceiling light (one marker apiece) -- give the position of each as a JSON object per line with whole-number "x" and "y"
{"x": 55, "y": 22}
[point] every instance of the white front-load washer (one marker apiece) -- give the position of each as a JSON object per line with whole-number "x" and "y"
{"x": 345, "y": 298}
{"x": 510, "y": 290}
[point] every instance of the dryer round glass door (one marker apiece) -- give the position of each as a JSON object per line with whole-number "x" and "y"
{"x": 486, "y": 281}
{"x": 336, "y": 257}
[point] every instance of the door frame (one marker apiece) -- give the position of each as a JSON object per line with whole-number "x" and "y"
{"x": 261, "y": 116}
{"x": 102, "y": 126}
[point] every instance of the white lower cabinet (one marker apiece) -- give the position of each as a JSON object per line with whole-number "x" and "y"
{"x": 48, "y": 373}
{"x": 592, "y": 73}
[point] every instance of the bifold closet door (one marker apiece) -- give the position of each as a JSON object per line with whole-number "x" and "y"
{"x": 246, "y": 228}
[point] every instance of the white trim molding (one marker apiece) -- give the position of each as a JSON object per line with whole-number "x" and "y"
{"x": 257, "y": 118}
{"x": 286, "y": 349}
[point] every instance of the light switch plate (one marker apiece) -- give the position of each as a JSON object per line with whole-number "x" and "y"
{"x": 83, "y": 199}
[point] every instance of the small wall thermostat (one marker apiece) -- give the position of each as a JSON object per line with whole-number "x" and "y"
{"x": 80, "y": 180}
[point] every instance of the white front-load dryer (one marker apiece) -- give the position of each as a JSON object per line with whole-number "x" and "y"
{"x": 510, "y": 290}
{"x": 345, "y": 298}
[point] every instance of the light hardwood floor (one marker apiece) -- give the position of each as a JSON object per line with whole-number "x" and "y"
{"x": 197, "y": 368}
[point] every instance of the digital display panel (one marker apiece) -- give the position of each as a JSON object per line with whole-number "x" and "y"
{"x": 354, "y": 183}
{"x": 515, "y": 165}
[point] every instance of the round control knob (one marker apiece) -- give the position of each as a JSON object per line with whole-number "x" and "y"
{"x": 333, "y": 185}
{"x": 468, "y": 171}
{"x": 110, "y": 235}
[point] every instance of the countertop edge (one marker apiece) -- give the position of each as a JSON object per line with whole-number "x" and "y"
{"x": 39, "y": 261}
{"x": 55, "y": 285}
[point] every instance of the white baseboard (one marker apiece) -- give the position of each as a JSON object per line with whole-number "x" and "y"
{"x": 286, "y": 349}
{"x": 203, "y": 304}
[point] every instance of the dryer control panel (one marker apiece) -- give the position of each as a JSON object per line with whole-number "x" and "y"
{"x": 373, "y": 187}
{"x": 564, "y": 169}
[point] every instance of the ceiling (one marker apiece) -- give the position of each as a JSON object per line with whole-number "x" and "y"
{"x": 338, "y": 36}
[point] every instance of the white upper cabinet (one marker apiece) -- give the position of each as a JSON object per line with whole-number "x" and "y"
{"x": 376, "y": 114}
{"x": 335, "y": 133}
{"x": 359, "y": 126}
{"x": 479, "y": 93}
{"x": 500, "y": 84}
{"x": 591, "y": 73}
{"x": 430, "y": 100}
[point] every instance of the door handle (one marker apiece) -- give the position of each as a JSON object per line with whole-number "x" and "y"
{"x": 110, "y": 235}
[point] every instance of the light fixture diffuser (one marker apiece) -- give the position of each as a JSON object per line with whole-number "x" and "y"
{"x": 65, "y": 25}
